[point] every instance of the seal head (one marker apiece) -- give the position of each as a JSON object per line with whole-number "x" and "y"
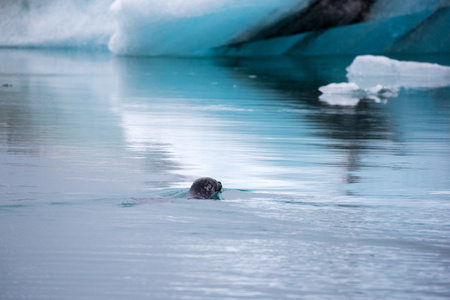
{"x": 204, "y": 188}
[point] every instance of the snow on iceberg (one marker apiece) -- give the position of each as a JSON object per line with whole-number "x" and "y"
{"x": 379, "y": 78}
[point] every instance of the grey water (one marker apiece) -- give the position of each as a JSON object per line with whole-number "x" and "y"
{"x": 320, "y": 201}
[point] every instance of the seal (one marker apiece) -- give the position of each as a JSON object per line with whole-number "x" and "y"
{"x": 204, "y": 188}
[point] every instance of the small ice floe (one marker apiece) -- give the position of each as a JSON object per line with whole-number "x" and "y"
{"x": 349, "y": 94}
{"x": 379, "y": 78}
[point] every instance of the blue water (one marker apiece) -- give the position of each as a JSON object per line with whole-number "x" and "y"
{"x": 319, "y": 201}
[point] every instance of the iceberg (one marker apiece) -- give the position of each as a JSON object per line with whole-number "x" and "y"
{"x": 379, "y": 78}
{"x": 185, "y": 28}
{"x": 229, "y": 27}
{"x": 68, "y": 24}
{"x": 389, "y": 26}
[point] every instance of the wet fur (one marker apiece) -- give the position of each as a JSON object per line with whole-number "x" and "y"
{"x": 204, "y": 188}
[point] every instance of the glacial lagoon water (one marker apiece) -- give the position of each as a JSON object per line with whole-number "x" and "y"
{"x": 320, "y": 201}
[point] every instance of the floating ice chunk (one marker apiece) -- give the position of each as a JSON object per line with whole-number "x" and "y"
{"x": 369, "y": 65}
{"x": 349, "y": 93}
{"x": 378, "y": 78}
{"x": 368, "y": 71}
{"x": 339, "y": 88}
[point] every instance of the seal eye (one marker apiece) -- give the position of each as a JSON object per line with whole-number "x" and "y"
{"x": 219, "y": 186}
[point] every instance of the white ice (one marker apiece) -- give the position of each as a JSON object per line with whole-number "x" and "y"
{"x": 349, "y": 94}
{"x": 379, "y": 78}
{"x": 368, "y": 71}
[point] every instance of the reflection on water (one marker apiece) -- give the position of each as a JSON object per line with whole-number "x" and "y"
{"x": 254, "y": 124}
{"x": 320, "y": 200}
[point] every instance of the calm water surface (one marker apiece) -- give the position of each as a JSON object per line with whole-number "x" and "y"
{"x": 320, "y": 201}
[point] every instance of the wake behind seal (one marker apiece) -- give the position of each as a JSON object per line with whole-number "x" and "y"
{"x": 204, "y": 188}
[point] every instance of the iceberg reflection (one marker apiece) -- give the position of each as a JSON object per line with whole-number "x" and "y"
{"x": 206, "y": 129}
{"x": 253, "y": 128}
